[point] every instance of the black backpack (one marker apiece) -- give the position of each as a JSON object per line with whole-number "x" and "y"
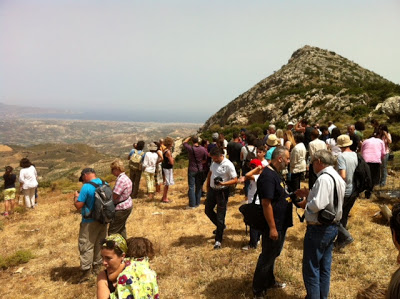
{"x": 362, "y": 180}
{"x": 104, "y": 207}
{"x": 250, "y": 156}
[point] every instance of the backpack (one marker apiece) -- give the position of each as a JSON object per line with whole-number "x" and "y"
{"x": 104, "y": 207}
{"x": 135, "y": 162}
{"x": 250, "y": 156}
{"x": 362, "y": 180}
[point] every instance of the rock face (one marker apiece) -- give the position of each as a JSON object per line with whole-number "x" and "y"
{"x": 317, "y": 84}
{"x": 391, "y": 106}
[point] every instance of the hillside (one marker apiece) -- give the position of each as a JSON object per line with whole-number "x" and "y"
{"x": 317, "y": 84}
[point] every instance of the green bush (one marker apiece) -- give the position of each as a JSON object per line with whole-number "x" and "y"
{"x": 359, "y": 110}
{"x": 19, "y": 257}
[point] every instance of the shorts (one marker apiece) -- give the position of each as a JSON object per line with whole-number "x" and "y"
{"x": 169, "y": 177}
{"x": 9, "y": 193}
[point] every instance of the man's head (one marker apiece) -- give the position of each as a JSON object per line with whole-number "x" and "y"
{"x": 272, "y": 129}
{"x": 344, "y": 141}
{"x": 215, "y": 136}
{"x": 290, "y": 125}
{"x": 314, "y": 134}
{"x": 217, "y": 154}
{"x": 255, "y": 163}
{"x": 322, "y": 159}
{"x": 324, "y": 130}
{"x": 351, "y": 130}
{"x": 194, "y": 139}
{"x": 235, "y": 135}
{"x": 87, "y": 174}
{"x": 280, "y": 158}
{"x": 140, "y": 145}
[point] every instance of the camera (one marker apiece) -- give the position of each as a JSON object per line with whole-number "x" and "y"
{"x": 295, "y": 200}
{"x": 218, "y": 180}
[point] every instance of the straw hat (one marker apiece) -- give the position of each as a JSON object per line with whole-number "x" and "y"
{"x": 272, "y": 140}
{"x": 152, "y": 146}
{"x": 344, "y": 141}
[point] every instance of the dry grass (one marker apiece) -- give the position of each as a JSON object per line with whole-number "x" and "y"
{"x": 186, "y": 264}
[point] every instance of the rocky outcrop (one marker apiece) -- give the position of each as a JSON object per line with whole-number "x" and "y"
{"x": 315, "y": 83}
{"x": 391, "y": 106}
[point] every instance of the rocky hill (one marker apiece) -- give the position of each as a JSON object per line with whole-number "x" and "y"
{"x": 317, "y": 84}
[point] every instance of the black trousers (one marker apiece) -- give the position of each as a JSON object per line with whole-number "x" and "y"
{"x": 219, "y": 198}
{"x": 375, "y": 169}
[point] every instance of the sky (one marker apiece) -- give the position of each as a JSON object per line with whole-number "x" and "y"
{"x": 176, "y": 60}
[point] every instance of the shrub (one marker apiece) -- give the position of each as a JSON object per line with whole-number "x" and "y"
{"x": 359, "y": 110}
{"x": 19, "y": 257}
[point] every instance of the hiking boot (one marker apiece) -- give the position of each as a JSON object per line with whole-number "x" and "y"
{"x": 217, "y": 245}
{"x": 248, "y": 247}
{"x": 343, "y": 244}
{"x": 85, "y": 275}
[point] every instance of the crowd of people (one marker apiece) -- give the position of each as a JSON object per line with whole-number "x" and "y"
{"x": 271, "y": 168}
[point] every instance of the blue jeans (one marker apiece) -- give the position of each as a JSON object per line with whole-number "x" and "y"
{"x": 264, "y": 277}
{"x": 317, "y": 259}
{"x": 195, "y": 183}
{"x": 384, "y": 170}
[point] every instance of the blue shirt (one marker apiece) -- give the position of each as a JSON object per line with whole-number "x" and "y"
{"x": 87, "y": 196}
{"x": 135, "y": 150}
{"x": 268, "y": 155}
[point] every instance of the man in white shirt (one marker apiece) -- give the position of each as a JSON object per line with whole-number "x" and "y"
{"x": 222, "y": 174}
{"x": 319, "y": 238}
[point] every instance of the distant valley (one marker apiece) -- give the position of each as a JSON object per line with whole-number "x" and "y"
{"x": 108, "y": 137}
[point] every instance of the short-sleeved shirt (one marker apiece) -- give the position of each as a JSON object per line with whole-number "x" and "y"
{"x": 270, "y": 186}
{"x": 196, "y": 154}
{"x": 87, "y": 196}
{"x": 150, "y": 161}
{"x": 9, "y": 181}
{"x": 225, "y": 170}
{"x": 123, "y": 188}
{"x": 348, "y": 161}
{"x": 269, "y": 153}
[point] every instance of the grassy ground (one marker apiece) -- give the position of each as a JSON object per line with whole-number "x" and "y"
{"x": 186, "y": 263}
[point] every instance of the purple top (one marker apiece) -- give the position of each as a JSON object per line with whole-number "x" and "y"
{"x": 196, "y": 154}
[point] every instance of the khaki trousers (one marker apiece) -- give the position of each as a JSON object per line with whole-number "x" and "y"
{"x": 90, "y": 236}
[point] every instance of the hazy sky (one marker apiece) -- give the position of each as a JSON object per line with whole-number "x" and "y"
{"x": 176, "y": 60}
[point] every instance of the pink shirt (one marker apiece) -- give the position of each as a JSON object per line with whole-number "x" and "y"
{"x": 123, "y": 187}
{"x": 373, "y": 149}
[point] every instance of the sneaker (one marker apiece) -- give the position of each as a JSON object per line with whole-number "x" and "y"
{"x": 278, "y": 285}
{"x": 5, "y": 214}
{"x": 85, "y": 275}
{"x": 248, "y": 247}
{"x": 190, "y": 208}
{"x": 343, "y": 244}
{"x": 217, "y": 245}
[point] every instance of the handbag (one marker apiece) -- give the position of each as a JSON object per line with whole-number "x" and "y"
{"x": 253, "y": 215}
{"x": 325, "y": 216}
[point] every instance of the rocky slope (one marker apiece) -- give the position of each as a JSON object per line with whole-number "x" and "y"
{"x": 317, "y": 84}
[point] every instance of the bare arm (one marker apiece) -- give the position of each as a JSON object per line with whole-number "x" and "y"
{"x": 250, "y": 175}
{"x": 269, "y": 216}
{"x": 342, "y": 173}
{"x": 78, "y": 205}
{"x": 103, "y": 291}
{"x": 169, "y": 157}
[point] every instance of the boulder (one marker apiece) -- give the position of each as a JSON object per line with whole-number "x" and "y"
{"x": 391, "y": 106}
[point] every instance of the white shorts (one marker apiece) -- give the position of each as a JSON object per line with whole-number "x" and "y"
{"x": 169, "y": 177}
